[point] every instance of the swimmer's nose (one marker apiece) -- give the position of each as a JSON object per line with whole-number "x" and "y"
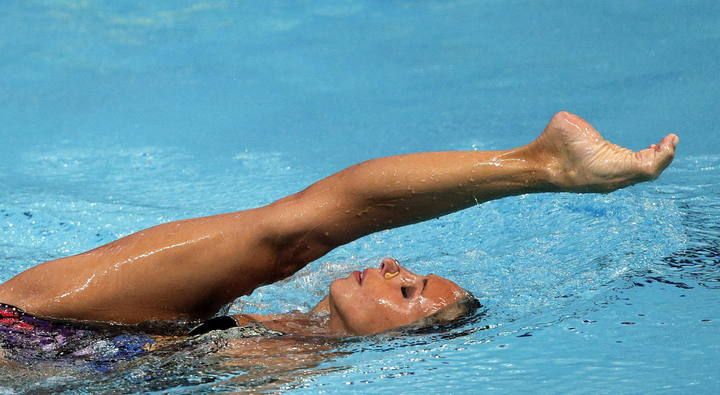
{"x": 389, "y": 268}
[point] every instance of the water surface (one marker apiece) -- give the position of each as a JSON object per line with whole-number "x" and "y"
{"x": 118, "y": 116}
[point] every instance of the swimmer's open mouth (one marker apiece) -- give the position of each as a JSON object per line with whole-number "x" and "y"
{"x": 358, "y": 276}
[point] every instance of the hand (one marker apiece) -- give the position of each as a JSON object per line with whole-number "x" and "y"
{"x": 579, "y": 159}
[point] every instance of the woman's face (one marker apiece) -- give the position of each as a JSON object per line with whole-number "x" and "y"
{"x": 376, "y": 300}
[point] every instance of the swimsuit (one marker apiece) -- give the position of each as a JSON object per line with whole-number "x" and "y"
{"x": 251, "y": 328}
{"x": 27, "y": 339}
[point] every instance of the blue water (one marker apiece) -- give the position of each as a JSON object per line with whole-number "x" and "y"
{"x": 115, "y": 116}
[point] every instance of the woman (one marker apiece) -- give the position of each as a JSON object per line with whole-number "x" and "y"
{"x": 188, "y": 270}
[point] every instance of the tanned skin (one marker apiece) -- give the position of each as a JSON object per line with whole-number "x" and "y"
{"x": 189, "y": 269}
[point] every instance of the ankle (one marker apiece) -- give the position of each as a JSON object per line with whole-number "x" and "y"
{"x": 544, "y": 168}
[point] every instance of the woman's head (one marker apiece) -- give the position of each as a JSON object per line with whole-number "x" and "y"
{"x": 379, "y": 299}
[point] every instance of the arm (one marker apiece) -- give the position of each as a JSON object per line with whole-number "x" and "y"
{"x": 189, "y": 269}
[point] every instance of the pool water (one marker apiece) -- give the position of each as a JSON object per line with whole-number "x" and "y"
{"x": 117, "y": 116}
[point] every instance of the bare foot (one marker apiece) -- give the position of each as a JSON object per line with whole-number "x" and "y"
{"x": 581, "y": 160}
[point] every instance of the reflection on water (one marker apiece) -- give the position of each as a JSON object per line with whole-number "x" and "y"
{"x": 216, "y": 360}
{"x": 700, "y": 262}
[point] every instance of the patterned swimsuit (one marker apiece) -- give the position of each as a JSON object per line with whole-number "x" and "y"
{"x": 27, "y": 339}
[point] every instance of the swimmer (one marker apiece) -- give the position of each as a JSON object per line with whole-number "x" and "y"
{"x": 189, "y": 269}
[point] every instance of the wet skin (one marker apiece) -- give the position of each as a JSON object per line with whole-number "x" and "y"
{"x": 378, "y": 299}
{"x": 189, "y": 269}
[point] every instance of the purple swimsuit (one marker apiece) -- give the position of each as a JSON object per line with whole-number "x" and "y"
{"x": 26, "y": 339}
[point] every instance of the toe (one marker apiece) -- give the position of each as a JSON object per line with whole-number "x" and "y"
{"x": 665, "y": 152}
{"x": 669, "y": 142}
{"x": 652, "y": 161}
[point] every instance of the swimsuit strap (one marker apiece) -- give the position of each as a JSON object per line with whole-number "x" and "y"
{"x": 245, "y": 326}
{"x": 214, "y": 324}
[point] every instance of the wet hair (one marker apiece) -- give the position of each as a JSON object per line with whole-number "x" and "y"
{"x": 466, "y": 310}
